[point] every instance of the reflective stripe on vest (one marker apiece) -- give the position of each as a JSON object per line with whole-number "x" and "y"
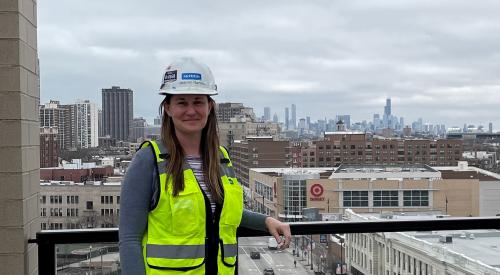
{"x": 230, "y": 250}
{"x": 175, "y": 251}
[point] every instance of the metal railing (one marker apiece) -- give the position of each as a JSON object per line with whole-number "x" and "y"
{"x": 47, "y": 240}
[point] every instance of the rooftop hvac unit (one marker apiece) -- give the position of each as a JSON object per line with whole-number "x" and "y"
{"x": 445, "y": 239}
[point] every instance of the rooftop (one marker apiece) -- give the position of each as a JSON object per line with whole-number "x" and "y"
{"x": 471, "y": 247}
{"x": 398, "y": 172}
{"x": 324, "y": 172}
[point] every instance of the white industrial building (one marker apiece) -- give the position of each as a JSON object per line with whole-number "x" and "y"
{"x": 425, "y": 253}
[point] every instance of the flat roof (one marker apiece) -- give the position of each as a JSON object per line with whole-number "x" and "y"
{"x": 344, "y": 133}
{"x": 481, "y": 245}
{"x": 460, "y": 172}
{"x": 363, "y": 168}
{"x": 324, "y": 172}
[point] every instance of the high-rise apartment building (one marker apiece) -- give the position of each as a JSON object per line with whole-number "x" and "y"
{"x": 138, "y": 129}
{"x": 85, "y": 121}
{"x": 228, "y": 110}
{"x": 99, "y": 122}
{"x": 117, "y": 112}
{"x": 55, "y": 115}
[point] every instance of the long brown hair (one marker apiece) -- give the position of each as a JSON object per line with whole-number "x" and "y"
{"x": 209, "y": 148}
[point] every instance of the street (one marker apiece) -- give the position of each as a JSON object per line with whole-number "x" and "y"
{"x": 281, "y": 261}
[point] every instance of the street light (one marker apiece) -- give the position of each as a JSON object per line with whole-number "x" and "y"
{"x": 311, "y": 242}
{"x": 90, "y": 258}
{"x": 341, "y": 240}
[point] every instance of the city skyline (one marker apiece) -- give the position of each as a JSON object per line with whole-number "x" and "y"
{"x": 327, "y": 58}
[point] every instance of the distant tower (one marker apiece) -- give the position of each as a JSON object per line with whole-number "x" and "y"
{"x": 376, "y": 121}
{"x": 340, "y": 126}
{"x": 275, "y": 118}
{"x": 287, "y": 119}
{"x": 387, "y": 108}
{"x": 267, "y": 113}
{"x": 346, "y": 119}
{"x": 490, "y": 127}
{"x": 117, "y": 112}
{"x": 387, "y": 120}
{"x": 294, "y": 117}
{"x": 157, "y": 120}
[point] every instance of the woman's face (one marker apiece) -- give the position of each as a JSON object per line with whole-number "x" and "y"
{"x": 189, "y": 113}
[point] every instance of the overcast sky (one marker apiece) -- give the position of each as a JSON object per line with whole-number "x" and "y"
{"x": 439, "y": 60}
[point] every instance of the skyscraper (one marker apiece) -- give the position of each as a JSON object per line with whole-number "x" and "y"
{"x": 387, "y": 108}
{"x": 267, "y": 113}
{"x": 293, "y": 123}
{"x": 54, "y": 115}
{"x": 287, "y": 119}
{"x": 117, "y": 112}
{"x": 275, "y": 118}
{"x": 85, "y": 120}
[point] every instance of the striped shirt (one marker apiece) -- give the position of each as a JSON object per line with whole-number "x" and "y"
{"x": 195, "y": 163}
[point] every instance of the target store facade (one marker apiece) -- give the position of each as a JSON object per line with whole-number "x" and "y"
{"x": 455, "y": 190}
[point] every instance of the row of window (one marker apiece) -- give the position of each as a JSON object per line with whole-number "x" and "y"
{"x": 59, "y": 199}
{"x": 109, "y": 199}
{"x": 262, "y": 189}
{"x": 388, "y": 146}
{"x": 409, "y": 264}
{"x": 109, "y": 212}
{"x": 73, "y": 212}
{"x": 387, "y": 198}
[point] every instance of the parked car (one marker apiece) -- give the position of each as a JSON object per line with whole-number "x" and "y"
{"x": 272, "y": 244}
{"x": 268, "y": 271}
{"x": 255, "y": 255}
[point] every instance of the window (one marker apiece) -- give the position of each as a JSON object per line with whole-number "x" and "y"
{"x": 43, "y": 199}
{"x": 416, "y": 198}
{"x": 355, "y": 198}
{"x": 90, "y": 205}
{"x": 385, "y": 198}
{"x": 117, "y": 199}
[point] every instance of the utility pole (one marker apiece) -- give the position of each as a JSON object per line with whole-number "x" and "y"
{"x": 311, "y": 242}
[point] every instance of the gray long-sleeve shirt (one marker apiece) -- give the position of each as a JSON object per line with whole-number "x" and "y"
{"x": 137, "y": 194}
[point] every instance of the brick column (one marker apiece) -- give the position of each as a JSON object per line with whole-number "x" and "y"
{"x": 19, "y": 137}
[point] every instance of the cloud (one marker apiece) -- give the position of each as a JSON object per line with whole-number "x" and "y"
{"x": 437, "y": 59}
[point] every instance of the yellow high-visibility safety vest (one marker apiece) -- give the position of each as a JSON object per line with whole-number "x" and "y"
{"x": 182, "y": 235}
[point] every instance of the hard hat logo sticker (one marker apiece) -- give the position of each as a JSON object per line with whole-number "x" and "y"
{"x": 191, "y": 76}
{"x": 170, "y": 76}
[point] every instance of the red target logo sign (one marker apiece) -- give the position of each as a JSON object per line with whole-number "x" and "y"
{"x": 316, "y": 190}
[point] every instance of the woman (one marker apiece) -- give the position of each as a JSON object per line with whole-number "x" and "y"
{"x": 181, "y": 203}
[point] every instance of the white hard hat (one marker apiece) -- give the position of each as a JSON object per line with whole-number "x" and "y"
{"x": 188, "y": 76}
